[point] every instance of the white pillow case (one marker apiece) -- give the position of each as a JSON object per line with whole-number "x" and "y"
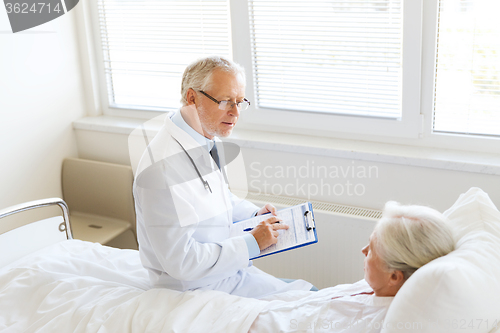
{"x": 459, "y": 292}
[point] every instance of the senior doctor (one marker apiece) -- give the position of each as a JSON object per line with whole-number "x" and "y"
{"x": 183, "y": 204}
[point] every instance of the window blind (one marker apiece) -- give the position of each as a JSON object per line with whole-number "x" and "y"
{"x": 329, "y": 56}
{"x": 467, "y": 88}
{"x": 147, "y": 45}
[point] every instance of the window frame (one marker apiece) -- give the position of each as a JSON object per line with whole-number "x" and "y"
{"x": 429, "y": 138}
{"x": 311, "y": 122}
{"x": 414, "y": 128}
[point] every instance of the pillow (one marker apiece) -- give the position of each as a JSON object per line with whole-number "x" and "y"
{"x": 461, "y": 291}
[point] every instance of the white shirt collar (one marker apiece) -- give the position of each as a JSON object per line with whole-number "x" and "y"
{"x": 178, "y": 120}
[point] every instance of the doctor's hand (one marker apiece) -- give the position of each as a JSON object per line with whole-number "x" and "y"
{"x": 266, "y": 232}
{"x": 268, "y": 208}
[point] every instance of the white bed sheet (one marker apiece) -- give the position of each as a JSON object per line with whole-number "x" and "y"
{"x": 77, "y": 286}
{"x": 333, "y": 309}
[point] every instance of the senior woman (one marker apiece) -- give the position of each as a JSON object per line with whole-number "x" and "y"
{"x": 404, "y": 239}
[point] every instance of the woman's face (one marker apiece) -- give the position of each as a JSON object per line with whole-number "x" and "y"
{"x": 377, "y": 274}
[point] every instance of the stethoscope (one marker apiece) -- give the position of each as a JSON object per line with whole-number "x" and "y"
{"x": 203, "y": 181}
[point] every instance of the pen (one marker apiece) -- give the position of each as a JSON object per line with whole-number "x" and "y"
{"x": 250, "y": 229}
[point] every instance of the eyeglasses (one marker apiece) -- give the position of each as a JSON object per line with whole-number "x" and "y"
{"x": 228, "y": 105}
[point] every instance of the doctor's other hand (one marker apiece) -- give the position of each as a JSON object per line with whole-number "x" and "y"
{"x": 268, "y": 208}
{"x": 266, "y": 232}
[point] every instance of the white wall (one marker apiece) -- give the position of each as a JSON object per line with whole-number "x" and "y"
{"x": 41, "y": 93}
{"x": 438, "y": 188}
{"x": 361, "y": 183}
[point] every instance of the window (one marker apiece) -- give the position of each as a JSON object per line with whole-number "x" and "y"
{"x": 321, "y": 79}
{"x": 350, "y": 66}
{"x": 356, "y": 65}
{"x": 335, "y": 56}
{"x": 467, "y": 90}
{"x": 146, "y": 46}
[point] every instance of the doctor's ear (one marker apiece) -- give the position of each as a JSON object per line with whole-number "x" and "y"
{"x": 191, "y": 96}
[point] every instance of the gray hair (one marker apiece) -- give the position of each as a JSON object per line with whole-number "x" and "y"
{"x": 198, "y": 75}
{"x": 409, "y": 237}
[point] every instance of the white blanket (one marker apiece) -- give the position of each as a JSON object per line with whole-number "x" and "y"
{"x": 77, "y": 286}
{"x": 344, "y": 308}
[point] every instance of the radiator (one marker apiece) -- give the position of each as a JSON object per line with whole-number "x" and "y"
{"x": 342, "y": 232}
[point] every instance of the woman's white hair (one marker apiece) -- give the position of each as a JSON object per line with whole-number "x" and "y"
{"x": 198, "y": 75}
{"x": 409, "y": 237}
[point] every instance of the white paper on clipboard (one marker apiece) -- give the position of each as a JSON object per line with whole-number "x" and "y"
{"x": 301, "y": 231}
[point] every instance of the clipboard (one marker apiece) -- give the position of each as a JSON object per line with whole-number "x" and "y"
{"x": 301, "y": 231}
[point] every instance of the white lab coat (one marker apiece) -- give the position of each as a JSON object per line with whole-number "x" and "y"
{"x": 183, "y": 228}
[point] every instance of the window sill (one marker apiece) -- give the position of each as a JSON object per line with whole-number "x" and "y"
{"x": 438, "y": 158}
{"x": 110, "y": 124}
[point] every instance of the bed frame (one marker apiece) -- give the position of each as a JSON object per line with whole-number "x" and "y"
{"x": 45, "y": 232}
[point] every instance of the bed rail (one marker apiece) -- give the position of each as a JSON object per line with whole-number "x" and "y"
{"x": 64, "y": 226}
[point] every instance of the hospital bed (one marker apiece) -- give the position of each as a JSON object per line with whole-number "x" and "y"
{"x": 50, "y": 282}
